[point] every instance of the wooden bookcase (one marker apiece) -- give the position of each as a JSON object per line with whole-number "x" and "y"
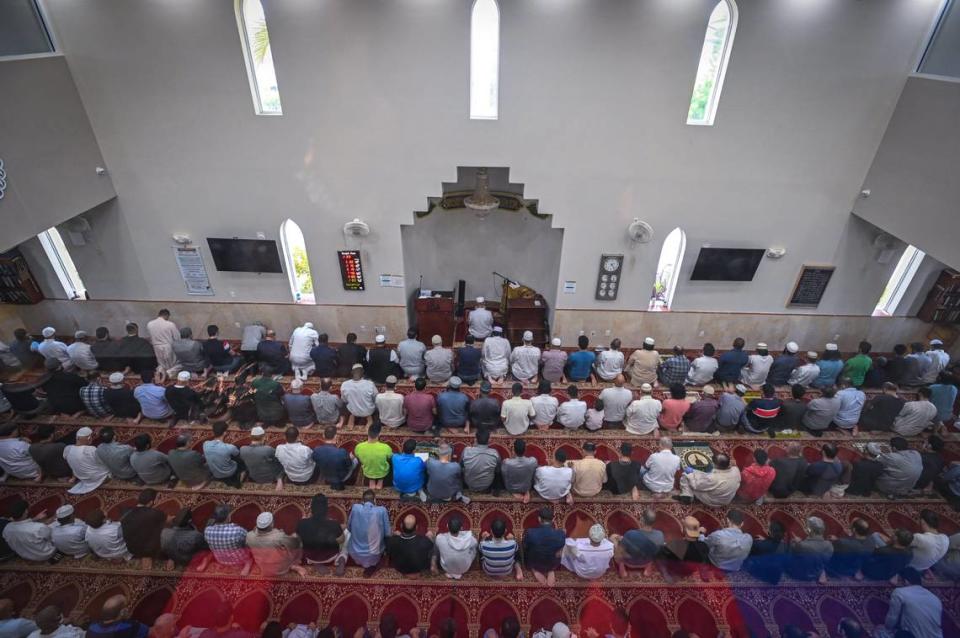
{"x": 17, "y": 285}
{"x": 943, "y": 300}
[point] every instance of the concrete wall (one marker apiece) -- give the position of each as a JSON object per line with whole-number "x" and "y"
{"x": 914, "y": 190}
{"x": 49, "y": 151}
{"x": 593, "y": 99}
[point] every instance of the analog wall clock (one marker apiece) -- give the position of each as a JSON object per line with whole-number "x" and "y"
{"x": 608, "y": 279}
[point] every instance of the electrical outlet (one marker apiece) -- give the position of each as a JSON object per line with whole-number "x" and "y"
{"x": 701, "y": 333}
{"x": 606, "y": 333}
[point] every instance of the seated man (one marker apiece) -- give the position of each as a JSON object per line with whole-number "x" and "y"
{"x": 768, "y": 555}
{"x": 933, "y": 462}
{"x": 351, "y": 353}
{"x": 554, "y": 482}
{"x": 181, "y": 543}
{"x": 714, "y": 488}
{"x": 589, "y": 473}
{"x": 929, "y": 544}
{"x": 573, "y": 412}
{"x": 729, "y": 546}
{"x": 481, "y": 464}
{"x": 296, "y": 458}
{"x": 916, "y": 416}
{"x": 518, "y": 472}
{"x": 901, "y": 467}
{"x": 410, "y": 351}
{"x": 68, "y": 534}
{"x": 359, "y": 394}
{"x": 323, "y": 539}
{"x": 324, "y": 358}
{"x": 15, "y": 457}
{"x": 822, "y": 475}
{"x": 268, "y": 400}
{"x": 701, "y": 417}
{"x": 381, "y": 360}
{"x": 223, "y": 459}
{"x": 92, "y": 397}
{"x": 498, "y": 552}
{"x": 456, "y": 549}
{"x": 104, "y": 349}
{"x": 113, "y": 621}
{"x": 516, "y": 411}
{"x": 793, "y": 409}
{"x": 624, "y": 476}
{"x": 542, "y": 546}
{"x": 182, "y": 399}
{"x": 661, "y": 468}
{"x": 374, "y": 456}
{"x": 189, "y": 353}
{"x": 335, "y": 464}
{"x": 272, "y": 355}
{"x": 553, "y": 361}
{"x": 30, "y": 539}
{"x": 852, "y": 400}
{"x": 485, "y": 410}
{"x": 297, "y": 405}
{"x": 219, "y": 353}
{"x": 327, "y": 407}
{"x": 496, "y": 356}
{"x": 409, "y": 472}
{"x": 674, "y": 369}
{"x": 120, "y": 399}
{"x": 821, "y": 411}
{"x": 881, "y": 411}
{"x": 410, "y": 553}
{"x": 228, "y": 541}
{"x": 755, "y": 479}
{"x": 439, "y": 361}
{"x": 116, "y": 456}
{"x": 390, "y": 405}
{"x": 480, "y": 320}
{"x": 274, "y": 552}
{"x": 914, "y": 610}
{"x": 588, "y": 558}
{"x": 703, "y": 368}
{"x": 687, "y": 555}
{"x": 791, "y": 472}
{"x": 63, "y": 389}
{"x": 758, "y": 367}
{"x": 46, "y": 452}
{"x": 525, "y": 360}
{"x": 134, "y": 353}
{"x": 444, "y": 479}
{"x": 580, "y": 363}
{"x": 151, "y": 466}
{"x": 152, "y": 398}
{"x": 850, "y": 551}
{"x": 188, "y": 464}
{"x": 453, "y": 407}
{"x": 641, "y": 366}
{"x": 810, "y": 556}
{"x": 85, "y": 463}
{"x": 732, "y": 412}
{"x": 643, "y": 415}
{"x": 105, "y": 538}
{"x": 261, "y": 461}
{"x": 763, "y": 414}
{"x": 638, "y": 547}
{"x": 888, "y": 559}
{"x": 142, "y": 527}
{"x": 616, "y": 400}
{"x": 369, "y": 527}
{"x": 545, "y": 406}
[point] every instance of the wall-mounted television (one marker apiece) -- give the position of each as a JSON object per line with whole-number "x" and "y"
{"x": 245, "y": 255}
{"x": 727, "y": 264}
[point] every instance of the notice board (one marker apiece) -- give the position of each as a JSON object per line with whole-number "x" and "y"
{"x": 811, "y": 284}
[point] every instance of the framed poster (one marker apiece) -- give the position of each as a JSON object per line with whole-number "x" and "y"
{"x": 192, "y": 269}
{"x": 351, "y": 269}
{"x": 810, "y": 286}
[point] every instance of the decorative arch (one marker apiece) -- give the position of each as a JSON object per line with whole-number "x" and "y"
{"x": 252, "y": 609}
{"x": 350, "y": 614}
{"x": 404, "y": 609}
{"x": 449, "y": 607}
{"x": 668, "y": 268}
{"x": 298, "y": 264}
{"x": 695, "y": 618}
{"x": 494, "y": 611}
{"x": 302, "y": 609}
{"x": 484, "y": 60}
{"x": 714, "y": 58}
{"x": 258, "y": 57}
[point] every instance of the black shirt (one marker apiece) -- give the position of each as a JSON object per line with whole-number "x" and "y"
{"x": 821, "y": 476}
{"x": 622, "y": 477}
{"x": 106, "y": 354}
{"x": 141, "y": 529}
{"x": 409, "y": 554}
{"x": 766, "y": 560}
{"x": 181, "y": 400}
{"x": 21, "y": 397}
{"x": 932, "y": 466}
{"x": 63, "y": 392}
{"x": 49, "y": 456}
{"x": 879, "y": 412}
{"x": 848, "y": 555}
{"x": 319, "y": 537}
{"x": 468, "y": 362}
{"x": 325, "y": 359}
{"x": 684, "y": 556}
{"x": 885, "y": 562}
{"x": 217, "y": 352}
{"x": 121, "y": 402}
{"x": 274, "y": 354}
{"x": 136, "y": 353}
{"x": 791, "y": 414}
{"x": 790, "y": 475}
{"x": 896, "y": 369}
{"x": 485, "y": 412}
{"x": 347, "y": 355}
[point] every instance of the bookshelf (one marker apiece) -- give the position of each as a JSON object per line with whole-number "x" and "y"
{"x": 943, "y": 300}
{"x": 17, "y": 285}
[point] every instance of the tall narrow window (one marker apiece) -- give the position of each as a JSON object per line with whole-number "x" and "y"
{"x": 900, "y": 280}
{"x": 717, "y": 44}
{"x": 665, "y": 285}
{"x": 62, "y": 263}
{"x": 298, "y": 266}
{"x": 258, "y": 57}
{"x": 484, "y": 60}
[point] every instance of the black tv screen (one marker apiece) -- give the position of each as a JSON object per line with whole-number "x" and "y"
{"x": 245, "y": 255}
{"x": 727, "y": 264}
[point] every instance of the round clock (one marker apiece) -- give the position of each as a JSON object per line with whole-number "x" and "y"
{"x": 610, "y": 264}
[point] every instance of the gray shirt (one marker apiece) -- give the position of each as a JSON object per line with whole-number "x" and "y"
{"x": 116, "y": 457}
{"x": 615, "y": 402}
{"x": 900, "y": 471}
{"x": 251, "y": 337}
{"x": 262, "y": 464}
{"x": 518, "y": 474}
{"x": 480, "y": 323}
{"x": 189, "y": 355}
{"x": 821, "y": 412}
{"x": 151, "y": 466}
{"x": 70, "y": 539}
{"x": 219, "y": 457}
{"x": 917, "y": 610}
{"x": 479, "y": 466}
{"x": 299, "y": 409}
{"x": 327, "y": 407}
{"x": 915, "y": 417}
{"x": 729, "y": 547}
{"x": 411, "y": 357}
{"x": 439, "y": 362}
{"x": 188, "y": 465}
{"x": 443, "y": 480}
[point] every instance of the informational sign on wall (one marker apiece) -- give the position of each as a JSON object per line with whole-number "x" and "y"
{"x": 811, "y": 284}
{"x": 392, "y": 281}
{"x": 194, "y": 272}
{"x": 351, "y": 270}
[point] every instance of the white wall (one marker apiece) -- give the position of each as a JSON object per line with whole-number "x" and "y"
{"x": 593, "y": 102}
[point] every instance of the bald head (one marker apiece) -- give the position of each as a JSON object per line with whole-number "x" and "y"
{"x": 619, "y": 381}
{"x": 691, "y": 525}
{"x": 165, "y": 626}
{"x": 113, "y": 608}
{"x": 409, "y": 523}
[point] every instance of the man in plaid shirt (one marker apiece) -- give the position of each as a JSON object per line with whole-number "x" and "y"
{"x": 674, "y": 369}
{"x": 92, "y": 397}
{"x": 228, "y": 541}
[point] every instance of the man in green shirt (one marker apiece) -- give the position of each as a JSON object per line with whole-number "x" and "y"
{"x": 267, "y": 397}
{"x": 857, "y": 366}
{"x": 374, "y": 457}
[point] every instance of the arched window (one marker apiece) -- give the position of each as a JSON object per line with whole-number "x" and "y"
{"x": 62, "y": 263}
{"x": 717, "y": 44}
{"x": 900, "y": 280}
{"x": 298, "y": 266}
{"x": 258, "y": 57}
{"x": 484, "y": 60}
{"x": 665, "y": 285}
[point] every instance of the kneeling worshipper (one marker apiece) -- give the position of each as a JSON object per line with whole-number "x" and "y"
{"x": 87, "y": 467}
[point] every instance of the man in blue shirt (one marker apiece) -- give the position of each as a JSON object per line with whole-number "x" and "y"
{"x": 152, "y": 398}
{"x": 731, "y": 362}
{"x": 468, "y": 361}
{"x": 409, "y": 472}
{"x": 334, "y": 464}
{"x": 453, "y": 406}
{"x": 113, "y": 625}
{"x": 324, "y": 358}
{"x": 369, "y": 528}
{"x": 542, "y": 546}
{"x": 223, "y": 459}
{"x": 580, "y": 363}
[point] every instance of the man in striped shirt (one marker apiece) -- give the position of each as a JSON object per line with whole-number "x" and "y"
{"x": 498, "y": 551}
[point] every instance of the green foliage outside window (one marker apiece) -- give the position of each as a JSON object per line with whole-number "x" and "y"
{"x": 302, "y": 270}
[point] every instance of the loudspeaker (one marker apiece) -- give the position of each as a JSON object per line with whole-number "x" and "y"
{"x": 461, "y": 293}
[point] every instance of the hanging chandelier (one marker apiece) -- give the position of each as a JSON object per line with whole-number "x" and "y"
{"x": 481, "y": 201}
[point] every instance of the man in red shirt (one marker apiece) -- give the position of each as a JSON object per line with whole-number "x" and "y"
{"x": 755, "y": 479}
{"x": 421, "y": 407}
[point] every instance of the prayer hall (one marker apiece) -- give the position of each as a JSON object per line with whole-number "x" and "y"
{"x": 479, "y": 319}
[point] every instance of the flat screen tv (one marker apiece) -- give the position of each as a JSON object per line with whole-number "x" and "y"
{"x": 727, "y": 264}
{"x": 245, "y": 255}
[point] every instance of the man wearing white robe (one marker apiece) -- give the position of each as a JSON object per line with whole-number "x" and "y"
{"x": 50, "y": 348}
{"x": 106, "y": 540}
{"x": 302, "y": 342}
{"x": 496, "y": 356}
{"x": 163, "y": 333}
{"x": 88, "y": 469}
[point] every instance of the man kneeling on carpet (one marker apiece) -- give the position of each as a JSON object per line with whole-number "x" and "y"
{"x": 275, "y": 552}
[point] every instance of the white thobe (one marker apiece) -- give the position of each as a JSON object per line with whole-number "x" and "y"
{"x": 87, "y": 468}
{"x": 29, "y": 539}
{"x": 585, "y": 559}
{"x": 53, "y": 349}
{"x": 70, "y": 539}
{"x": 609, "y": 364}
{"x": 15, "y": 459}
{"x": 496, "y": 357}
{"x": 163, "y": 333}
{"x": 302, "y": 342}
{"x": 63, "y": 631}
{"x": 756, "y": 370}
{"x": 804, "y": 375}
{"x": 107, "y": 541}
{"x": 297, "y": 461}
{"x": 525, "y": 362}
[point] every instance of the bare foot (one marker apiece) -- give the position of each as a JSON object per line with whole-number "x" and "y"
{"x": 551, "y": 579}
{"x": 526, "y": 497}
